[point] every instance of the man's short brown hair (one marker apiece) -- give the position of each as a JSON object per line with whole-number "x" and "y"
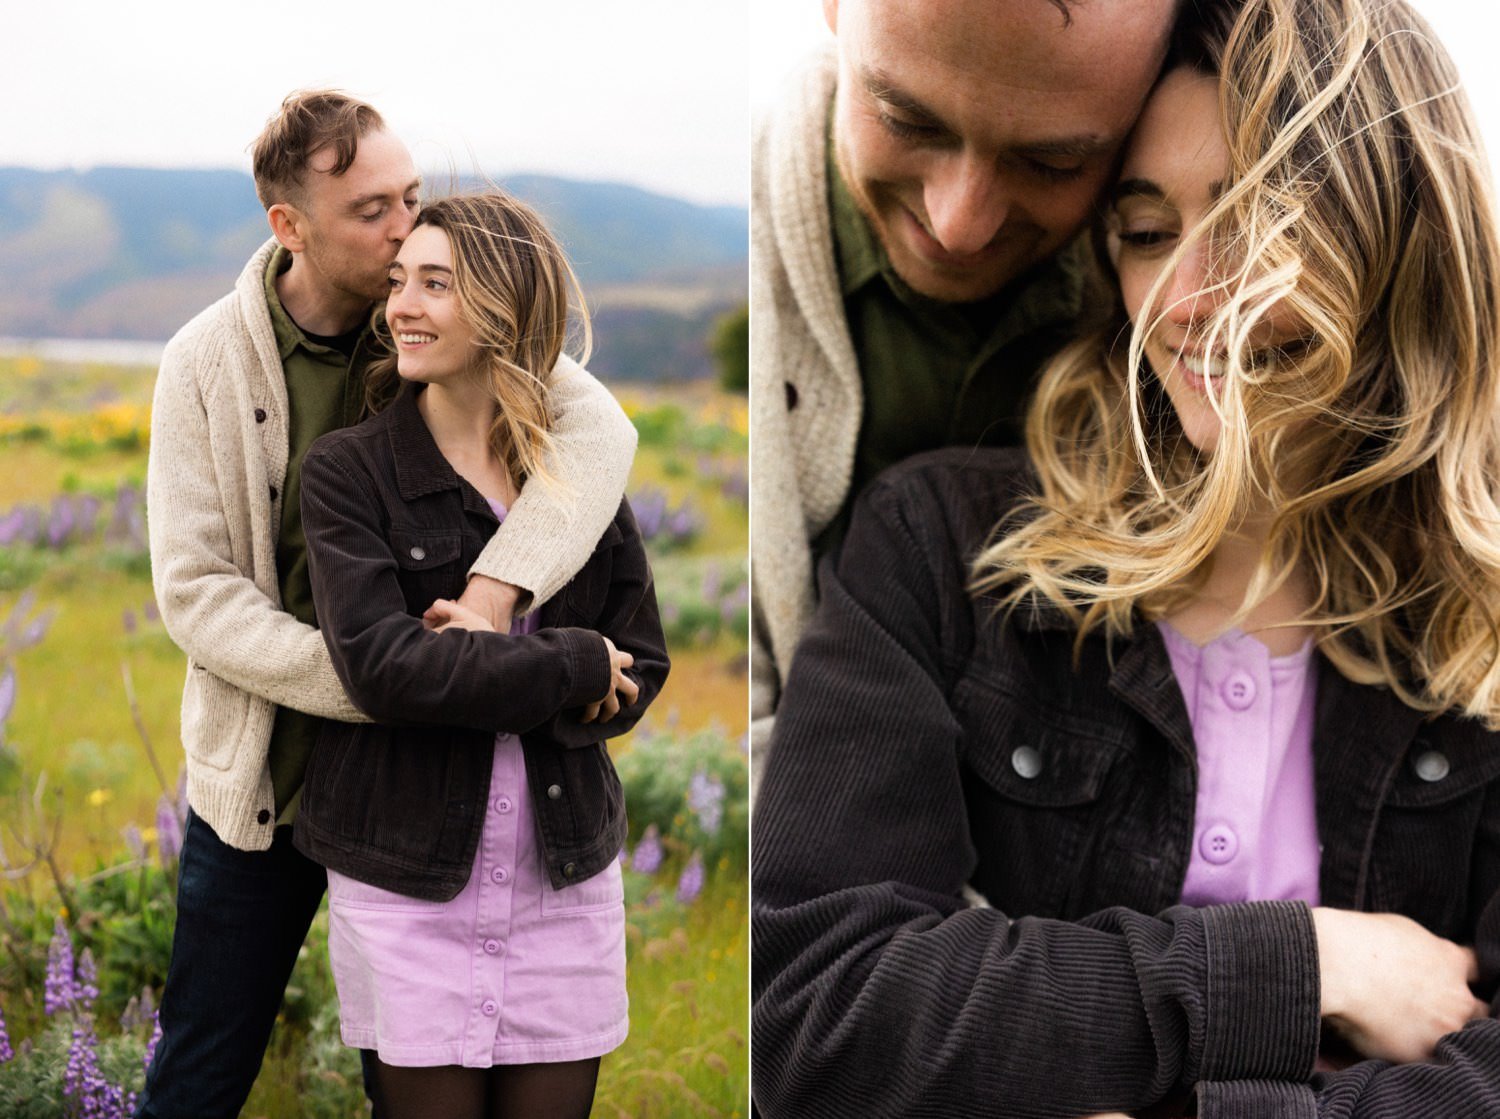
{"x": 309, "y": 121}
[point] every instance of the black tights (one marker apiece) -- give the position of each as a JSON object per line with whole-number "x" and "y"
{"x": 564, "y": 1090}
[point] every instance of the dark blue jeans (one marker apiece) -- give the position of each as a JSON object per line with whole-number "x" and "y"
{"x": 241, "y": 917}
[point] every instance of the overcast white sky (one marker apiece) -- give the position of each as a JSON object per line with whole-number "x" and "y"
{"x": 782, "y": 31}
{"x": 651, "y": 92}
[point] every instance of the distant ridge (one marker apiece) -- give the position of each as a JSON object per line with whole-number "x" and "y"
{"x": 132, "y": 253}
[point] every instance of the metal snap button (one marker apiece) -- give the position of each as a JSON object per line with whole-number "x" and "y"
{"x": 1432, "y": 766}
{"x": 1026, "y": 761}
{"x": 570, "y": 869}
{"x": 419, "y": 554}
{"x": 554, "y": 792}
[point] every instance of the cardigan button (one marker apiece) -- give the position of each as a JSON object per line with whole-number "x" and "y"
{"x": 554, "y": 792}
{"x": 260, "y": 415}
{"x": 263, "y": 817}
{"x": 1027, "y": 762}
{"x": 273, "y": 493}
{"x": 791, "y": 396}
{"x": 1432, "y": 766}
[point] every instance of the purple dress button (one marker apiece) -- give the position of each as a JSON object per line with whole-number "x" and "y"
{"x": 1239, "y": 690}
{"x": 490, "y": 1008}
{"x": 492, "y": 946}
{"x": 1219, "y": 844}
{"x": 499, "y": 874}
{"x": 503, "y": 804}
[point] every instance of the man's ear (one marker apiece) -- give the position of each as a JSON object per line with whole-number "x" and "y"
{"x": 831, "y": 15}
{"x": 288, "y": 225}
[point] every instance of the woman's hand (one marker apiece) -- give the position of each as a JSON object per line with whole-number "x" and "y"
{"x": 447, "y": 614}
{"x": 620, "y": 686}
{"x": 1389, "y": 986}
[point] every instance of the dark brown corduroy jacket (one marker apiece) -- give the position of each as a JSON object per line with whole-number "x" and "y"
{"x": 401, "y": 803}
{"x": 925, "y": 744}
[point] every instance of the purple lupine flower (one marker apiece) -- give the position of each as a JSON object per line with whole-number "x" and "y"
{"x": 86, "y": 509}
{"x": 127, "y": 620}
{"x": 690, "y": 885}
{"x": 650, "y": 506}
{"x": 706, "y": 799}
{"x": 734, "y": 602}
{"x": 34, "y": 632}
{"x": 168, "y": 831}
{"x": 684, "y": 524}
{"x": 150, "y": 612}
{"x": 60, "y": 989}
{"x": 711, "y": 582}
{"x": 11, "y": 527}
{"x": 648, "y": 853}
{"x": 6, "y": 1052}
{"x": 131, "y": 833}
{"x": 7, "y": 693}
{"x": 87, "y": 986}
{"x": 60, "y": 523}
{"x": 155, "y": 1037}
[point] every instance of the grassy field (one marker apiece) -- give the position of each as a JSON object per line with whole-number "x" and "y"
{"x": 76, "y": 434}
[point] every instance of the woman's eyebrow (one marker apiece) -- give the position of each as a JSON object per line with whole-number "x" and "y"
{"x": 1136, "y": 188}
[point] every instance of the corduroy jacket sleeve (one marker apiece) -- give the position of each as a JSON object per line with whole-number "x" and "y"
{"x": 877, "y": 992}
{"x": 1462, "y": 1081}
{"x": 396, "y": 670}
{"x": 550, "y": 533}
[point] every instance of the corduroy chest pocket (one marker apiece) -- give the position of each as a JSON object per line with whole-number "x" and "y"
{"x": 1427, "y": 829}
{"x": 429, "y": 565}
{"x": 1033, "y": 779}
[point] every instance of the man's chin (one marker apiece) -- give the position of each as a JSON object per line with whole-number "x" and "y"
{"x": 952, "y": 285}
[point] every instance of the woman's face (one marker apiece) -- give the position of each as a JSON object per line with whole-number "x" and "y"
{"x": 1174, "y": 169}
{"x": 433, "y": 343}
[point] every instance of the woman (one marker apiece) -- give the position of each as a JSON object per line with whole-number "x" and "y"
{"x": 1209, "y": 671}
{"x": 471, "y": 833}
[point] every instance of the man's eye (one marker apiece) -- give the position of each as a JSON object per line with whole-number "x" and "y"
{"x": 412, "y": 204}
{"x": 375, "y": 216}
{"x": 906, "y": 130}
{"x": 1053, "y": 172}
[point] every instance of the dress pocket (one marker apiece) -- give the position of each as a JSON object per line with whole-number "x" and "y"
{"x": 604, "y": 891}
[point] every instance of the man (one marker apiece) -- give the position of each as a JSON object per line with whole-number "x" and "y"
{"x": 243, "y": 391}
{"x": 916, "y": 201}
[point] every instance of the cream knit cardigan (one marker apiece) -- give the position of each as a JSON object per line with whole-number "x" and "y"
{"x": 217, "y": 469}
{"x": 802, "y": 458}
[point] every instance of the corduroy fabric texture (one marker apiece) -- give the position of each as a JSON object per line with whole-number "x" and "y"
{"x": 926, "y": 745}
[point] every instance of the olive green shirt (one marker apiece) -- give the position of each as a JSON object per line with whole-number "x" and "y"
{"x": 941, "y": 374}
{"x": 325, "y": 391}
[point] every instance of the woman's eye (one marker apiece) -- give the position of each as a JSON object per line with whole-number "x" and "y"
{"x": 1146, "y": 238}
{"x": 436, "y": 285}
{"x": 394, "y": 283}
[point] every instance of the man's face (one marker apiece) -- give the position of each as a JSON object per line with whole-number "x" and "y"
{"x": 354, "y": 223}
{"x": 976, "y": 134}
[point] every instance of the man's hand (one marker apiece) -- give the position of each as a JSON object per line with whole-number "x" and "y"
{"x": 497, "y": 601}
{"x": 1389, "y": 986}
{"x": 447, "y": 614}
{"x": 620, "y": 686}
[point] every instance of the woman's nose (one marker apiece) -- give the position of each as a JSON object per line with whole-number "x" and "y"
{"x": 1193, "y": 292}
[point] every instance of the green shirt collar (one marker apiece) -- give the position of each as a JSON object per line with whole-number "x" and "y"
{"x": 289, "y": 335}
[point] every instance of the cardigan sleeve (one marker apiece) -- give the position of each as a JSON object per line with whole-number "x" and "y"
{"x": 551, "y": 531}
{"x": 394, "y": 668}
{"x": 214, "y": 612}
{"x": 876, "y": 991}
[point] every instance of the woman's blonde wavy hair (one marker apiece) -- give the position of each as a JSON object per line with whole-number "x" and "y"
{"x": 1359, "y": 198}
{"x": 515, "y": 289}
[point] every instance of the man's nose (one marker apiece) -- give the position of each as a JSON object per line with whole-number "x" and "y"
{"x": 966, "y": 203}
{"x": 402, "y": 223}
